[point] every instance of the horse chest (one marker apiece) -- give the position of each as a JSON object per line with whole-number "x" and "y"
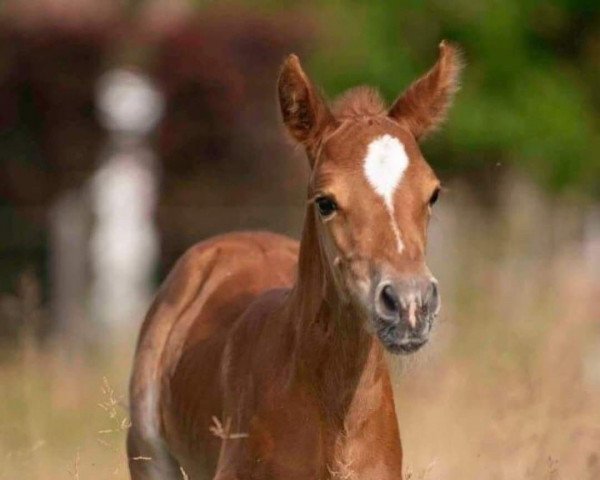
{"x": 296, "y": 444}
{"x": 369, "y": 445}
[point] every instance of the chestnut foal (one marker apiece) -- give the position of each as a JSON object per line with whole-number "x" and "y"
{"x": 260, "y": 359}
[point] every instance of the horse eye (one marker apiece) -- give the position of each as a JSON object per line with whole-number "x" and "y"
{"x": 326, "y": 206}
{"x": 434, "y": 197}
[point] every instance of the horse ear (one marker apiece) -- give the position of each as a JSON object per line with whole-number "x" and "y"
{"x": 304, "y": 112}
{"x": 423, "y": 106}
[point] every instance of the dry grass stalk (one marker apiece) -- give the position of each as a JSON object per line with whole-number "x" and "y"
{"x": 223, "y": 432}
{"x": 76, "y": 464}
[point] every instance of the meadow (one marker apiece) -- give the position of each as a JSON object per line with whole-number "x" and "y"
{"x": 507, "y": 389}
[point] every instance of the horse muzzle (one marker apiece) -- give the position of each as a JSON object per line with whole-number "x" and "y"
{"x": 404, "y": 312}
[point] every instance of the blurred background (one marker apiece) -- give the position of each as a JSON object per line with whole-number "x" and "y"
{"x": 129, "y": 130}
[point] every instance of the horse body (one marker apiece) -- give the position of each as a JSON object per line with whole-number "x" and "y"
{"x": 261, "y": 359}
{"x": 223, "y": 344}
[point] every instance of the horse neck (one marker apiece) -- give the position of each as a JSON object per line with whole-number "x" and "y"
{"x": 334, "y": 355}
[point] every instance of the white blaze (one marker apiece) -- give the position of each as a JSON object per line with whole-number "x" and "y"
{"x": 384, "y": 168}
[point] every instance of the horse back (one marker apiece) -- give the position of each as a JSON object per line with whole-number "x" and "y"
{"x": 174, "y": 391}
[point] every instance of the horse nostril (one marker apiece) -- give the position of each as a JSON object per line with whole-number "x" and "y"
{"x": 390, "y": 299}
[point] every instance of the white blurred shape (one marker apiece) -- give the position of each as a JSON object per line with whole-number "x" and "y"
{"x": 124, "y": 244}
{"x": 128, "y": 102}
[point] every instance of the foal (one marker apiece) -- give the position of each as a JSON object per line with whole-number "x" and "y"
{"x": 260, "y": 359}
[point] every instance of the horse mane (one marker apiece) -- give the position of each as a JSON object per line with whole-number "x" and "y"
{"x": 362, "y": 101}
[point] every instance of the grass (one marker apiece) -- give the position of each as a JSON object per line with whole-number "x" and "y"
{"x": 508, "y": 389}
{"x": 61, "y": 418}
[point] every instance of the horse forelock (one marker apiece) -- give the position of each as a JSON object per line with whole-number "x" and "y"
{"x": 359, "y": 102}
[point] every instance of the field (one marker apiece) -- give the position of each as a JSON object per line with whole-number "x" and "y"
{"x": 509, "y": 387}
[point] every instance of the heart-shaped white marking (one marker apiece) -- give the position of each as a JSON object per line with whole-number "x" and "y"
{"x": 384, "y": 167}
